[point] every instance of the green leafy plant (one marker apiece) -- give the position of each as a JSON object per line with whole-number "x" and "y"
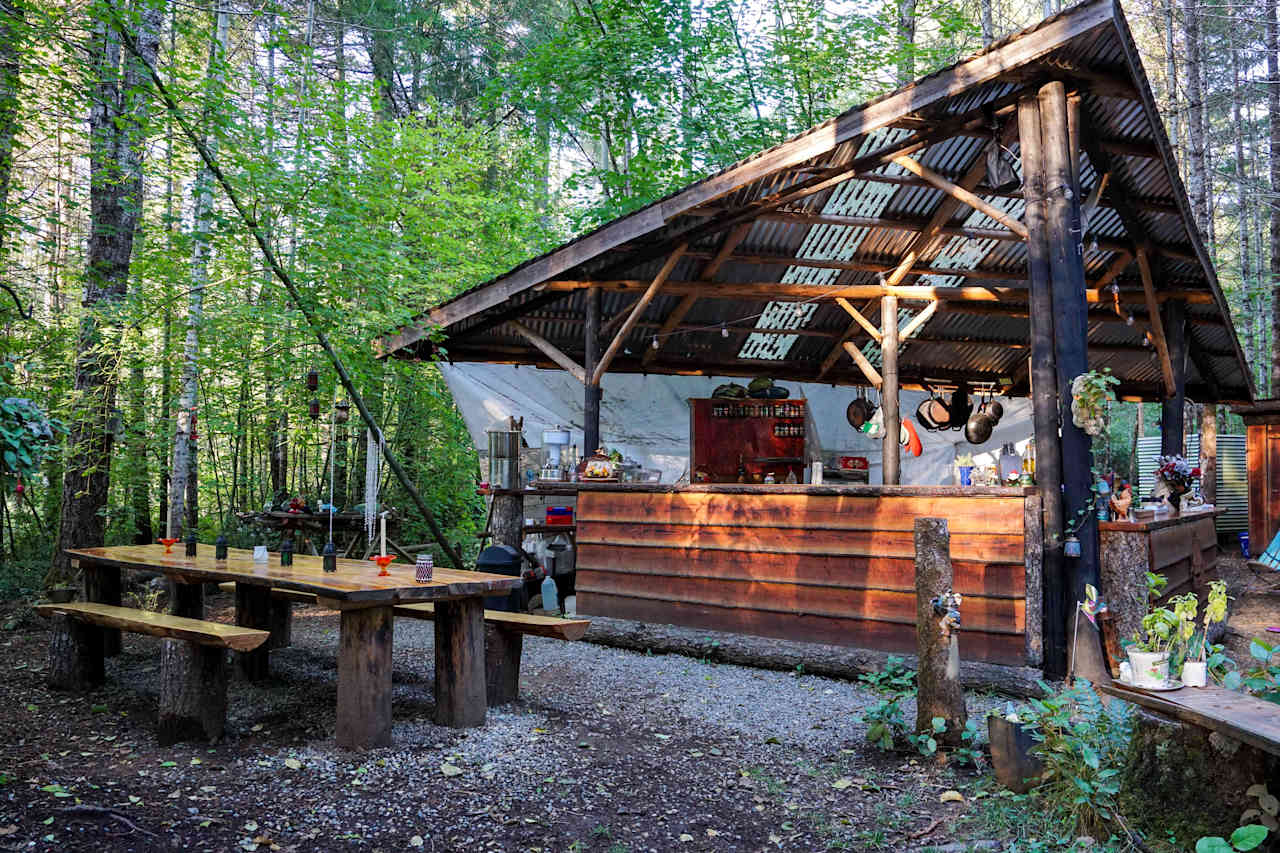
{"x": 886, "y": 724}
{"x": 1263, "y": 680}
{"x": 1079, "y": 739}
{"x": 27, "y": 434}
{"x": 894, "y": 677}
{"x": 1244, "y": 838}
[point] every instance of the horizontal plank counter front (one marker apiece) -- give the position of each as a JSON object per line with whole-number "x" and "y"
{"x": 365, "y": 600}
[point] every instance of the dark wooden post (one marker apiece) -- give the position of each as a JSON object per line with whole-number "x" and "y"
{"x": 1044, "y": 389}
{"x": 506, "y": 517}
{"x": 591, "y": 401}
{"x": 193, "y": 678}
{"x": 460, "y": 676}
{"x": 1209, "y": 452}
{"x": 1071, "y": 333}
{"x": 102, "y": 584}
{"x": 502, "y": 649}
{"x": 1172, "y": 427}
{"x": 253, "y": 610}
{"x": 890, "y": 469}
{"x": 364, "y": 678}
{"x": 940, "y": 694}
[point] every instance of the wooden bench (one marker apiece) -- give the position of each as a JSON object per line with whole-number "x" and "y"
{"x": 193, "y": 673}
{"x": 1245, "y": 718}
{"x": 503, "y": 643}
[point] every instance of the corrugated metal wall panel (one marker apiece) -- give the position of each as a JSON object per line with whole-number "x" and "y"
{"x": 1233, "y": 476}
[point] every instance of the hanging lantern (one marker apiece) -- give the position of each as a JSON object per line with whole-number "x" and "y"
{"x": 329, "y": 557}
{"x": 314, "y": 409}
{"x": 313, "y": 379}
{"x": 341, "y": 412}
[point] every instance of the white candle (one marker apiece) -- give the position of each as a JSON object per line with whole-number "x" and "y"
{"x": 384, "y": 535}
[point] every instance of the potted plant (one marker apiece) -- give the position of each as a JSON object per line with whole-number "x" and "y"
{"x": 1173, "y": 479}
{"x": 1149, "y": 652}
{"x": 1195, "y": 670}
{"x": 1091, "y": 399}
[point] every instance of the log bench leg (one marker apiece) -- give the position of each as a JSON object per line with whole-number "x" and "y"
{"x": 460, "y": 678}
{"x": 193, "y": 692}
{"x": 364, "y": 678}
{"x": 281, "y": 624}
{"x": 75, "y": 654}
{"x": 253, "y": 610}
{"x": 502, "y": 665}
{"x": 102, "y": 584}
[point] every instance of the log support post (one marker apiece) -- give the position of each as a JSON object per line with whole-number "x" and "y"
{"x": 281, "y": 624}
{"x": 890, "y": 465}
{"x": 591, "y": 400}
{"x": 1172, "y": 419}
{"x": 502, "y": 650}
{"x": 1071, "y": 331}
{"x": 1044, "y": 392}
{"x": 102, "y": 584}
{"x": 364, "y": 678}
{"x": 938, "y": 678}
{"x": 253, "y": 610}
{"x": 460, "y": 660}
{"x": 193, "y": 692}
{"x": 75, "y": 654}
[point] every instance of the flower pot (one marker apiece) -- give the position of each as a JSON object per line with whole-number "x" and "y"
{"x": 1195, "y": 673}
{"x": 1016, "y": 767}
{"x": 1150, "y": 669}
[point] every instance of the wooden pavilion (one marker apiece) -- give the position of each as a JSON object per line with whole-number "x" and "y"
{"x": 1013, "y": 220}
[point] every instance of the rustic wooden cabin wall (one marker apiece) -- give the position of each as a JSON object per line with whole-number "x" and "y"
{"x": 811, "y": 563}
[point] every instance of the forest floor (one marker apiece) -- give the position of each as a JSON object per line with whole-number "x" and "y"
{"x": 607, "y": 750}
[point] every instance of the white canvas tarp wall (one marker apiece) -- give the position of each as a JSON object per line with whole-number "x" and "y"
{"x": 647, "y": 417}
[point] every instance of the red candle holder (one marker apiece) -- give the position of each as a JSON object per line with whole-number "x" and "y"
{"x": 384, "y": 560}
{"x": 168, "y": 544}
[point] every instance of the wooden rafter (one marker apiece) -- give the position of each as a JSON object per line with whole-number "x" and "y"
{"x": 1157, "y": 327}
{"x": 916, "y": 323}
{"x": 731, "y": 241}
{"x": 859, "y": 318}
{"x": 868, "y": 370}
{"x": 951, "y": 188}
{"x": 550, "y": 350}
{"x": 773, "y": 291}
{"x": 636, "y": 311}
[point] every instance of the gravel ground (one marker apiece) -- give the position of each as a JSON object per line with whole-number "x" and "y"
{"x": 608, "y": 750}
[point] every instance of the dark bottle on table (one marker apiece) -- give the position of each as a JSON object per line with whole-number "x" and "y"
{"x": 191, "y": 543}
{"x": 220, "y": 547}
{"x": 286, "y": 552}
{"x": 742, "y": 470}
{"x": 329, "y": 557}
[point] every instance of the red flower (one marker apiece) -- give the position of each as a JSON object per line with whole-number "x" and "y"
{"x": 1195, "y": 472}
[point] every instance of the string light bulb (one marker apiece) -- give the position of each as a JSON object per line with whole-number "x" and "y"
{"x": 655, "y": 341}
{"x": 724, "y": 331}
{"x": 1128, "y": 319}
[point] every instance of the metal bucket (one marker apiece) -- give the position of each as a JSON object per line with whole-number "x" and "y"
{"x": 504, "y": 459}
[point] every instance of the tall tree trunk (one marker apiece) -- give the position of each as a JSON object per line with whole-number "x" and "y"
{"x": 1171, "y": 73}
{"x": 277, "y": 421}
{"x": 988, "y": 28}
{"x": 182, "y": 496}
{"x": 12, "y": 43}
{"x": 906, "y": 41}
{"x": 166, "y": 337}
{"x": 1273, "y": 114}
{"x": 1242, "y": 196}
{"x": 136, "y": 433}
{"x": 1197, "y": 179}
{"x": 117, "y": 118}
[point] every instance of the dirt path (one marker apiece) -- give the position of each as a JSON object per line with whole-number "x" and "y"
{"x": 608, "y": 750}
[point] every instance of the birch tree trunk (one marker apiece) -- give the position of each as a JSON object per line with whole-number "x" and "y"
{"x": 988, "y": 28}
{"x": 11, "y": 45}
{"x": 1273, "y": 114}
{"x": 117, "y": 118}
{"x": 906, "y": 41}
{"x": 184, "y": 441}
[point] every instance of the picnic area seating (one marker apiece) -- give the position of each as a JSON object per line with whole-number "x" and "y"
{"x": 193, "y": 672}
{"x": 504, "y": 637}
{"x": 1240, "y": 716}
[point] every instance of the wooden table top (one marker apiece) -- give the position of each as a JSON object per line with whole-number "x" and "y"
{"x": 354, "y": 581}
{"x": 1241, "y": 716}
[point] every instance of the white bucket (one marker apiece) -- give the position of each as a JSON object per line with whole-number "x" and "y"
{"x": 1195, "y": 673}
{"x": 1150, "y": 669}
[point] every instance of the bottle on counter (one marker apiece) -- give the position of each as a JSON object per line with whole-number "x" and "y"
{"x": 742, "y": 470}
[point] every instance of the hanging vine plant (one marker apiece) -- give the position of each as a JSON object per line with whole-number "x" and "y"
{"x": 27, "y": 434}
{"x": 1090, "y": 398}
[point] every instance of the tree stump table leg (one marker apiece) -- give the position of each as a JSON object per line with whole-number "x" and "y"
{"x": 253, "y": 610}
{"x": 193, "y": 692}
{"x": 940, "y": 694}
{"x": 460, "y": 678}
{"x": 102, "y": 584}
{"x": 502, "y": 665}
{"x": 281, "y": 624}
{"x": 75, "y": 654}
{"x": 364, "y": 678}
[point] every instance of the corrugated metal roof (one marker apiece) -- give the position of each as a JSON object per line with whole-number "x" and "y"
{"x": 786, "y": 245}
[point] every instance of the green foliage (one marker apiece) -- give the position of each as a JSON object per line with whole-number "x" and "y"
{"x": 1263, "y": 678}
{"x": 1081, "y": 742}
{"x": 894, "y": 677}
{"x": 27, "y": 434}
{"x": 886, "y": 725}
{"x": 1244, "y": 838}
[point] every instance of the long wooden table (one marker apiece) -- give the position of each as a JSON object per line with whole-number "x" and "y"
{"x": 366, "y": 602}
